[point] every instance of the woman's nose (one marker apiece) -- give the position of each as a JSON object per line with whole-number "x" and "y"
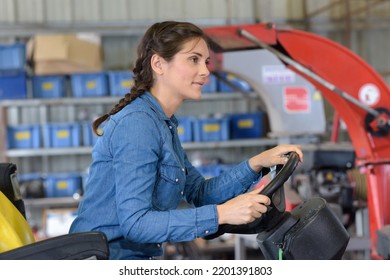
{"x": 205, "y": 70}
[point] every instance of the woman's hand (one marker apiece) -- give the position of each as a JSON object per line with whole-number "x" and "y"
{"x": 274, "y": 156}
{"x": 243, "y": 209}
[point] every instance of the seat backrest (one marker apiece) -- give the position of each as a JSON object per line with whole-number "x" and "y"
{"x": 14, "y": 229}
{"x": 9, "y": 185}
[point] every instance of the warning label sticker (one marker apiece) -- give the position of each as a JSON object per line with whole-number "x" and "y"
{"x": 296, "y": 99}
{"x": 277, "y": 74}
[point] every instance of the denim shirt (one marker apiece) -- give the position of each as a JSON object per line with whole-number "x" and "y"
{"x": 138, "y": 177}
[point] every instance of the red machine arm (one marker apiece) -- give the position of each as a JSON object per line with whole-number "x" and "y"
{"x": 356, "y": 92}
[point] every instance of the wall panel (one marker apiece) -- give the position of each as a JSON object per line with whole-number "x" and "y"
{"x": 114, "y": 10}
{"x": 87, "y": 11}
{"x": 7, "y": 11}
{"x": 59, "y": 11}
{"x": 30, "y": 11}
{"x": 141, "y": 10}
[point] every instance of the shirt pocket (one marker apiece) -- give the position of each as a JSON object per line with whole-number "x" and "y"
{"x": 168, "y": 192}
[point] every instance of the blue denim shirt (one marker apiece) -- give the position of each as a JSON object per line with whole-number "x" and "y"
{"x": 138, "y": 177}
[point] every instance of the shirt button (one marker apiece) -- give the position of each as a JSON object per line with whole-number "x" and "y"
{"x": 150, "y": 258}
{"x": 158, "y": 245}
{"x": 183, "y": 170}
{"x": 182, "y": 193}
{"x": 170, "y": 127}
{"x": 206, "y": 232}
{"x": 177, "y": 180}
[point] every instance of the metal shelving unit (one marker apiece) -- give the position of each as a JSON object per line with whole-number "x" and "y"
{"x": 72, "y": 156}
{"x": 20, "y": 153}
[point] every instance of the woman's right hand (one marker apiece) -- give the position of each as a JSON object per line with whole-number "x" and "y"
{"x": 243, "y": 209}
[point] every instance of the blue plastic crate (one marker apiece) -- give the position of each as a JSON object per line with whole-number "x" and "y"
{"x": 211, "y": 86}
{"x": 241, "y": 84}
{"x": 185, "y": 129}
{"x": 28, "y": 177}
{"x": 62, "y": 185}
{"x": 12, "y": 56}
{"x": 23, "y": 137}
{"x": 211, "y": 129}
{"x": 120, "y": 82}
{"x": 13, "y": 85}
{"x": 62, "y": 135}
{"x": 247, "y": 125}
{"x": 52, "y": 86}
{"x": 89, "y": 137}
{"x": 89, "y": 84}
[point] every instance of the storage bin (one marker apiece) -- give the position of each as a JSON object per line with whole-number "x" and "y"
{"x": 62, "y": 135}
{"x": 62, "y": 185}
{"x": 12, "y": 56}
{"x": 89, "y": 137}
{"x": 211, "y": 129}
{"x": 52, "y": 86}
{"x": 120, "y": 82}
{"x": 211, "y": 86}
{"x": 13, "y": 85}
{"x": 23, "y": 137}
{"x": 241, "y": 84}
{"x": 247, "y": 125}
{"x": 185, "y": 129}
{"x": 89, "y": 84}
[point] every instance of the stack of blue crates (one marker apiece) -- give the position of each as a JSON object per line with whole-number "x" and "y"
{"x": 13, "y": 78}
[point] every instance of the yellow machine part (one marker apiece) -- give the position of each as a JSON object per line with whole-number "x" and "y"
{"x": 14, "y": 229}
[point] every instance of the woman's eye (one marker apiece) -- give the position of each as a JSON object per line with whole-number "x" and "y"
{"x": 195, "y": 59}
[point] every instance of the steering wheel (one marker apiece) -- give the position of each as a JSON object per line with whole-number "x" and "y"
{"x": 258, "y": 225}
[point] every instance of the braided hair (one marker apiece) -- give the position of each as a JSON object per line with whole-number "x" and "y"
{"x": 163, "y": 38}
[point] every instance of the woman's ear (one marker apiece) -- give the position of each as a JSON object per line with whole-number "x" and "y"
{"x": 157, "y": 64}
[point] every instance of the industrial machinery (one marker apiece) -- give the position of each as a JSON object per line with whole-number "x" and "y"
{"x": 352, "y": 87}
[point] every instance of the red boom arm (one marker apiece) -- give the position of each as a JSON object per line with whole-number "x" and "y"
{"x": 349, "y": 74}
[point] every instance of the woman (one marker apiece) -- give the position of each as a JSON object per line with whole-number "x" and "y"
{"x": 140, "y": 172}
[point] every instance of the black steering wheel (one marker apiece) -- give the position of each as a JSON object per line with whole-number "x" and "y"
{"x": 276, "y": 184}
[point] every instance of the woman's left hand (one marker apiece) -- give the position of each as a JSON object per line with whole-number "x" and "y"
{"x": 274, "y": 156}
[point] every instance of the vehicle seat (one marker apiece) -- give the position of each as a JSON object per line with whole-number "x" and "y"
{"x": 17, "y": 240}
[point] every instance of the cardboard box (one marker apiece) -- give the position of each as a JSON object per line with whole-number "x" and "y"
{"x": 64, "y": 54}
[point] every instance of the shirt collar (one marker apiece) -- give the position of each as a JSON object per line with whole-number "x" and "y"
{"x": 152, "y": 101}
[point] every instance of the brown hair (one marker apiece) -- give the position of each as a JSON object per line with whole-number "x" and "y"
{"x": 163, "y": 38}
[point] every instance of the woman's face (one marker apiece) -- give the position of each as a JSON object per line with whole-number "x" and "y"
{"x": 188, "y": 71}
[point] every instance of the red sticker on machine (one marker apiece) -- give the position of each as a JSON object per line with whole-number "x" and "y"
{"x": 296, "y": 99}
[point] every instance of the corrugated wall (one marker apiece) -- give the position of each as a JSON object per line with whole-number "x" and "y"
{"x": 367, "y": 29}
{"x": 49, "y": 11}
